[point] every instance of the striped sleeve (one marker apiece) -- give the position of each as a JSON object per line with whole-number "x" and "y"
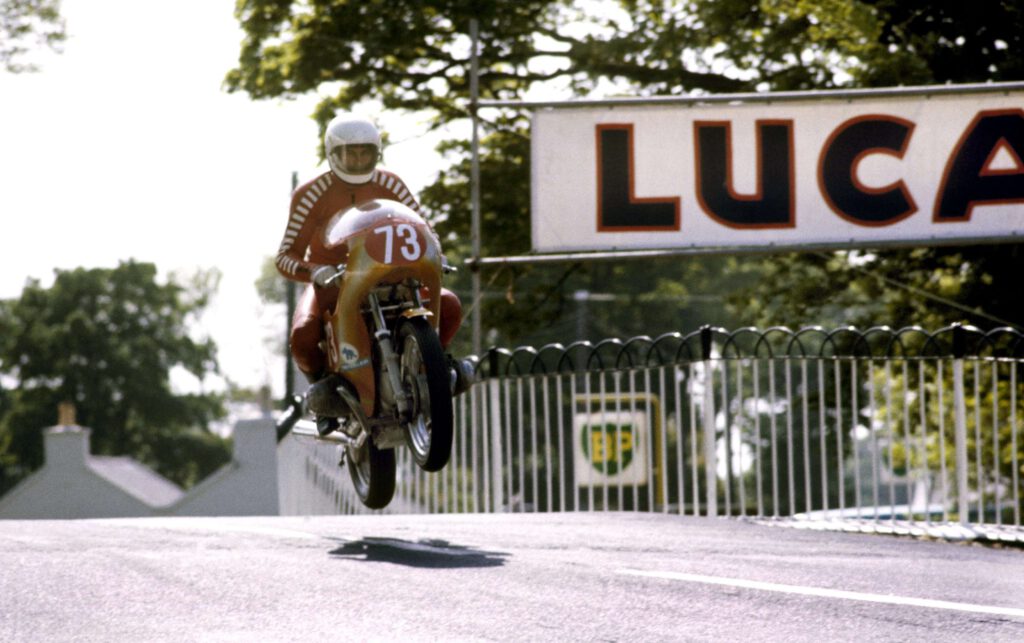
{"x": 291, "y": 254}
{"x": 390, "y": 182}
{"x": 397, "y": 187}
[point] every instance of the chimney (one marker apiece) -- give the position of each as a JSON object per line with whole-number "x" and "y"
{"x": 255, "y": 442}
{"x": 66, "y": 414}
{"x": 66, "y": 444}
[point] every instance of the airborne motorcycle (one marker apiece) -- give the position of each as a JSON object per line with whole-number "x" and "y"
{"x": 386, "y": 364}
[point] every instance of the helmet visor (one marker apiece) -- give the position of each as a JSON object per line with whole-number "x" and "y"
{"x": 356, "y": 159}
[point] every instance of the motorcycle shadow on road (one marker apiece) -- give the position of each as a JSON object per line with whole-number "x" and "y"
{"x": 434, "y": 554}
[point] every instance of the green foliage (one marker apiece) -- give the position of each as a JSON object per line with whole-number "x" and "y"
{"x": 505, "y": 212}
{"x": 806, "y": 44}
{"x": 811, "y": 44}
{"x": 413, "y": 56}
{"x": 271, "y": 287}
{"x": 273, "y": 291}
{"x": 541, "y": 304}
{"x": 917, "y": 401}
{"x": 814, "y": 44}
{"x": 107, "y": 340}
{"x": 927, "y": 287}
{"x": 28, "y": 24}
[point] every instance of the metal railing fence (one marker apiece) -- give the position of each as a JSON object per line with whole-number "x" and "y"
{"x": 883, "y": 427}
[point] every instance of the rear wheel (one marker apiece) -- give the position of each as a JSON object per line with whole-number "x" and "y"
{"x": 373, "y": 474}
{"x": 426, "y": 380}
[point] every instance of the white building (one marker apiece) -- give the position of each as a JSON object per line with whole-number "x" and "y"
{"x": 75, "y": 484}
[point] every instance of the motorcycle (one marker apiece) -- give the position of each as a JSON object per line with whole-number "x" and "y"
{"x": 387, "y": 367}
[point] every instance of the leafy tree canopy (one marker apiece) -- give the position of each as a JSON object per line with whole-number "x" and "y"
{"x": 25, "y": 25}
{"x": 805, "y": 44}
{"x": 414, "y": 56}
{"x": 814, "y": 44}
{"x": 107, "y": 340}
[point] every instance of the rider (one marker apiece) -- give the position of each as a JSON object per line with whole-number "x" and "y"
{"x": 352, "y": 145}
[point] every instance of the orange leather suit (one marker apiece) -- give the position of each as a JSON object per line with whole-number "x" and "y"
{"x": 302, "y": 250}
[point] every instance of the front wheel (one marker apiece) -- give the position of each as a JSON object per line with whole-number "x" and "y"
{"x": 373, "y": 474}
{"x": 426, "y": 380}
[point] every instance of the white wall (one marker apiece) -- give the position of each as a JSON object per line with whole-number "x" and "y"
{"x": 66, "y": 488}
{"x": 246, "y": 486}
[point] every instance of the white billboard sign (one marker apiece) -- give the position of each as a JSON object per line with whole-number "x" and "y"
{"x": 823, "y": 171}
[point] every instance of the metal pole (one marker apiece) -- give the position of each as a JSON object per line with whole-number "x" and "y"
{"x": 474, "y": 95}
{"x": 289, "y": 289}
{"x": 960, "y": 423}
{"x": 710, "y": 462}
{"x": 960, "y": 440}
{"x": 497, "y": 458}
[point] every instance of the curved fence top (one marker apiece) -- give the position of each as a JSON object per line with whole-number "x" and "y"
{"x": 709, "y": 342}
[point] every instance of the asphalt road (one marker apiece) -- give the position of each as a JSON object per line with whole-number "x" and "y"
{"x": 606, "y": 577}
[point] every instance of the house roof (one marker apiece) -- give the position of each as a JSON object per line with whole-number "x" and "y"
{"x": 136, "y": 480}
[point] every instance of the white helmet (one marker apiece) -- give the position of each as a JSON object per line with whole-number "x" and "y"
{"x": 352, "y": 147}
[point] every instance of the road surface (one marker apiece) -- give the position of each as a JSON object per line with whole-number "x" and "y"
{"x": 593, "y": 577}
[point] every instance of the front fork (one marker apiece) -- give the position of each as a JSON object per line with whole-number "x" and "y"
{"x": 392, "y": 368}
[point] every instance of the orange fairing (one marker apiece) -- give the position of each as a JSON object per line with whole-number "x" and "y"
{"x": 382, "y": 242}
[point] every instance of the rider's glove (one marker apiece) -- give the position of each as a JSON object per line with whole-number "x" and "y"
{"x": 323, "y": 275}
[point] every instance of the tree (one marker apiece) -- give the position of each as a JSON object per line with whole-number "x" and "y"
{"x": 815, "y": 44}
{"x": 413, "y": 56}
{"x": 25, "y": 24}
{"x": 803, "y": 44}
{"x": 107, "y": 340}
{"x": 274, "y": 292}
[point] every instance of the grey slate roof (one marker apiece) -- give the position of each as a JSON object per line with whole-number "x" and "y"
{"x": 136, "y": 479}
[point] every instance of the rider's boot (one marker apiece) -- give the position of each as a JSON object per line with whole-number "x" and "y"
{"x": 326, "y": 403}
{"x": 462, "y": 374}
{"x": 326, "y": 425}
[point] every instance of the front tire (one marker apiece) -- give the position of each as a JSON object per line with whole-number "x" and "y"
{"x": 373, "y": 474}
{"x": 426, "y": 379}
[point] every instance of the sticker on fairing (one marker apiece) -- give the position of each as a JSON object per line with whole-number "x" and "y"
{"x": 347, "y": 353}
{"x": 354, "y": 365}
{"x": 349, "y": 357}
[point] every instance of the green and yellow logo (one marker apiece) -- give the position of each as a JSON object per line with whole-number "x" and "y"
{"x": 608, "y": 446}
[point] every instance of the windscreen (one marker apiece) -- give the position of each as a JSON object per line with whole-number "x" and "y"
{"x": 352, "y": 221}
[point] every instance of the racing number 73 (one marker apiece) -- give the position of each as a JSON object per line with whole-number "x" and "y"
{"x": 410, "y": 248}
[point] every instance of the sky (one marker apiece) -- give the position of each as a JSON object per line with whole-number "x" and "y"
{"x": 127, "y": 146}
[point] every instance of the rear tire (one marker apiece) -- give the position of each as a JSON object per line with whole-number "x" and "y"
{"x": 373, "y": 474}
{"x": 425, "y": 377}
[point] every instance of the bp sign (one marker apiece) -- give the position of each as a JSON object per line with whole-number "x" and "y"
{"x": 611, "y": 448}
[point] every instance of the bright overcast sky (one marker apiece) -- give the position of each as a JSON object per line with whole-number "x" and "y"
{"x": 126, "y": 147}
